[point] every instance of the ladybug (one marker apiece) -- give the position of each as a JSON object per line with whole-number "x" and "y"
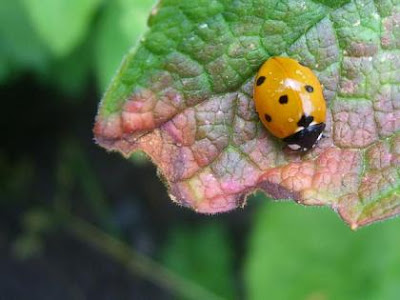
{"x": 289, "y": 101}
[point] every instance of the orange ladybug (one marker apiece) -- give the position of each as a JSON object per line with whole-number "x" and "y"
{"x": 289, "y": 101}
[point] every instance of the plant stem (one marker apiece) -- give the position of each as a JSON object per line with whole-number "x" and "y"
{"x": 136, "y": 262}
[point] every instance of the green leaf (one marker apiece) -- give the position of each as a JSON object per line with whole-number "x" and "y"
{"x": 139, "y": 158}
{"x": 333, "y": 4}
{"x": 120, "y": 27}
{"x": 62, "y": 24}
{"x": 202, "y": 254}
{"x": 301, "y": 253}
{"x": 71, "y": 73}
{"x": 184, "y": 96}
{"x": 20, "y": 47}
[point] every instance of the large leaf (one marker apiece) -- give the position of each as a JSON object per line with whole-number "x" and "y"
{"x": 184, "y": 96}
{"x": 300, "y": 253}
{"x": 120, "y": 26}
{"x": 203, "y": 255}
{"x": 14, "y": 43}
{"x": 62, "y": 24}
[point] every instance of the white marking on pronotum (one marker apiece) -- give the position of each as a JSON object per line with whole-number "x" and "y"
{"x": 307, "y": 104}
{"x": 294, "y": 146}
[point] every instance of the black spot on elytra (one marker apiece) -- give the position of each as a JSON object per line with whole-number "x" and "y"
{"x": 283, "y": 99}
{"x": 305, "y": 121}
{"x": 268, "y": 117}
{"x": 309, "y": 88}
{"x": 260, "y": 80}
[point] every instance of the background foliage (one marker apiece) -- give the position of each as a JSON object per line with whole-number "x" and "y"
{"x": 56, "y": 58}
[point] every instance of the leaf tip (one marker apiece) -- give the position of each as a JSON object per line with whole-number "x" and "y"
{"x": 354, "y": 226}
{"x": 108, "y": 133}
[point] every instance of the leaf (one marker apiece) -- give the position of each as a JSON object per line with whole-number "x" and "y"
{"x": 184, "y": 96}
{"x": 62, "y": 24}
{"x": 121, "y": 25}
{"x": 14, "y": 43}
{"x": 299, "y": 253}
{"x": 71, "y": 73}
{"x": 203, "y": 255}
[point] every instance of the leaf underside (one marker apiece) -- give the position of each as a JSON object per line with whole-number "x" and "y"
{"x": 184, "y": 96}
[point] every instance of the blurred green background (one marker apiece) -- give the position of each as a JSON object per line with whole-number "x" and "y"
{"x": 79, "y": 223}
